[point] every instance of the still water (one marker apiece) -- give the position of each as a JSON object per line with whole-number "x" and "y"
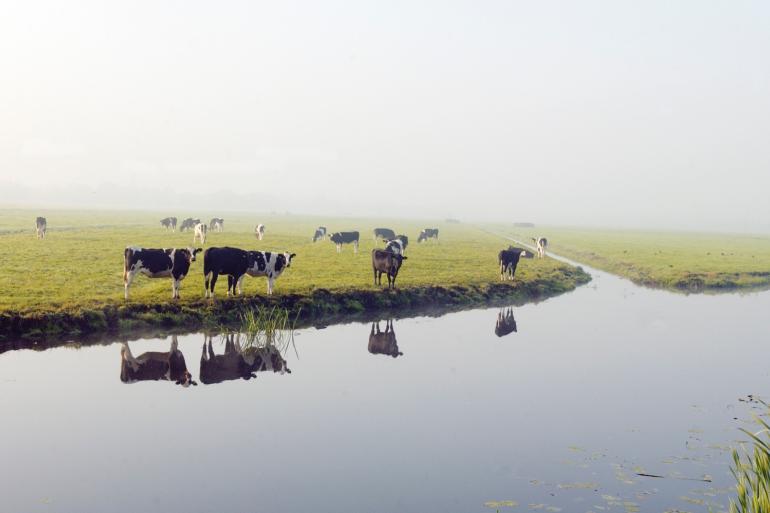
{"x": 459, "y": 413}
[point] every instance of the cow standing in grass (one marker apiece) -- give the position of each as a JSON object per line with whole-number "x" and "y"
{"x": 217, "y": 224}
{"x": 200, "y": 233}
{"x": 384, "y": 234}
{"x": 41, "y": 225}
{"x": 158, "y": 263}
{"x": 340, "y": 238}
{"x": 319, "y": 234}
{"x": 387, "y": 262}
{"x": 428, "y": 233}
{"x": 265, "y": 263}
{"x": 541, "y": 243}
{"x": 259, "y": 231}
{"x": 233, "y": 262}
{"x": 169, "y": 223}
{"x": 189, "y": 224}
{"x": 508, "y": 259}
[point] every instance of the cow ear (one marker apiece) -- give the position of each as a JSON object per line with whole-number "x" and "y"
{"x": 403, "y": 258}
{"x": 292, "y": 255}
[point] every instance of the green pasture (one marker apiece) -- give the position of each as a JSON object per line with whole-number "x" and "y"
{"x": 80, "y": 262}
{"x": 675, "y": 260}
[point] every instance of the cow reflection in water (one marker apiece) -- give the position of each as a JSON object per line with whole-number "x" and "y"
{"x": 506, "y": 324}
{"x": 237, "y": 362}
{"x": 155, "y": 366}
{"x": 384, "y": 342}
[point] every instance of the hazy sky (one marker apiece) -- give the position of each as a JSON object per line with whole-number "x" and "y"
{"x": 637, "y": 113}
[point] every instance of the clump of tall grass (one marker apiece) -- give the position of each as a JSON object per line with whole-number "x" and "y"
{"x": 262, "y": 327}
{"x": 752, "y": 473}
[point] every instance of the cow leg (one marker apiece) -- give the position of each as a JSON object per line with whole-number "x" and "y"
{"x": 175, "y": 288}
{"x": 212, "y": 284}
{"x": 127, "y": 282}
{"x": 206, "y": 282}
{"x": 239, "y": 284}
{"x": 375, "y": 276}
{"x": 270, "y": 284}
{"x": 355, "y": 247}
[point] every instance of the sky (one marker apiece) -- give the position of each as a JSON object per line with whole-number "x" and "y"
{"x": 599, "y": 113}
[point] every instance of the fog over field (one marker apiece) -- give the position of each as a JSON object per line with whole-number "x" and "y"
{"x": 616, "y": 113}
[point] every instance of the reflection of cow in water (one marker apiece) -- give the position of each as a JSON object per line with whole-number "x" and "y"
{"x": 155, "y": 366}
{"x": 384, "y": 342}
{"x": 238, "y": 363}
{"x": 506, "y": 324}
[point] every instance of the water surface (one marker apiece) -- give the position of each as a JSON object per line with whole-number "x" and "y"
{"x": 590, "y": 389}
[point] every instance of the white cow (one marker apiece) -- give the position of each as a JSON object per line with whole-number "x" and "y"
{"x": 200, "y": 233}
{"x": 541, "y": 243}
{"x": 259, "y": 231}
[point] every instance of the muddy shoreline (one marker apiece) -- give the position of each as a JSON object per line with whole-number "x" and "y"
{"x": 19, "y": 330}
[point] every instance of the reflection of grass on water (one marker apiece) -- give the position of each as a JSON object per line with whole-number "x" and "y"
{"x": 752, "y": 473}
{"x": 260, "y": 327}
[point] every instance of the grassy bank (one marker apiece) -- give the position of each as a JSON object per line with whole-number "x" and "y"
{"x": 693, "y": 262}
{"x": 71, "y": 282}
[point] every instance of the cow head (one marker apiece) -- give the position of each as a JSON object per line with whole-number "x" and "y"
{"x": 423, "y": 236}
{"x": 288, "y": 256}
{"x": 336, "y": 238}
{"x": 193, "y": 252}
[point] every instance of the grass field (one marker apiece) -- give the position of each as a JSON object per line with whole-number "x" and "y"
{"x": 80, "y": 263}
{"x": 673, "y": 260}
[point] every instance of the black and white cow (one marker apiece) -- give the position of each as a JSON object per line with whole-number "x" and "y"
{"x": 428, "y": 233}
{"x": 386, "y": 262}
{"x": 169, "y": 223}
{"x": 239, "y": 363}
{"x": 384, "y": 234}
{"x": 217, "y": 224}
{"x": 384, "y": 342}
{"x": 506, "y": 323}
{"x": 508, "y": 260}
{"x": 41, "y": 225}
{"x": 541, "y": 243}
{"x": 268, "y": 264}
{"x": 259, "y": 231}
{"x": 340, "y": 238}
{"x": 155, "y": 366}
{"x": 319, "y": 234}
{"x": 189, "y": 224}
{"x": 158, "y": 263}
{"x": 201, "y": 230}
{"x": 404, "y": 241}
{"x": 395, "y": 246}
{"x": 233, "y": 262}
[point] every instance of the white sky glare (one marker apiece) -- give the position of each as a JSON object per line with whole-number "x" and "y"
{"x": 620, "y": 113}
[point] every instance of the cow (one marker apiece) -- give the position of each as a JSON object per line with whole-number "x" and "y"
{"x": 264, "y": 263}
{"x": 232, "y": 262}
{"x": 384, "y": 342}
{"x": 217, "y": 224}
{"x": 404, "y": 240}
{"x": 238, "y": 363}
{"x": 386, "y": 262}
{"x": 340, "y": 238}
{"x": 395, "y": 246}
{"x": 189, "y": 224}
{"x": 169, "y": 223}
{"x": 41, "y": 225}
{"x": 541, "y": 243}
{"x": 158, "y": 263}
{"x": 506, "y": 324}
{"x": 319, "y": 234}
{"x": 384, "y": 234}
{"x": 508, "y": 260}
{"x": 428, "y": 233}
{"x": 200, "y": 233}
{"x": 259, "y": 231}
{"x": 155, "y": 366}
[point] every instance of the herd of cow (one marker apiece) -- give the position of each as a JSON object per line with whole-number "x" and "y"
{"x": 236, "y": 263}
